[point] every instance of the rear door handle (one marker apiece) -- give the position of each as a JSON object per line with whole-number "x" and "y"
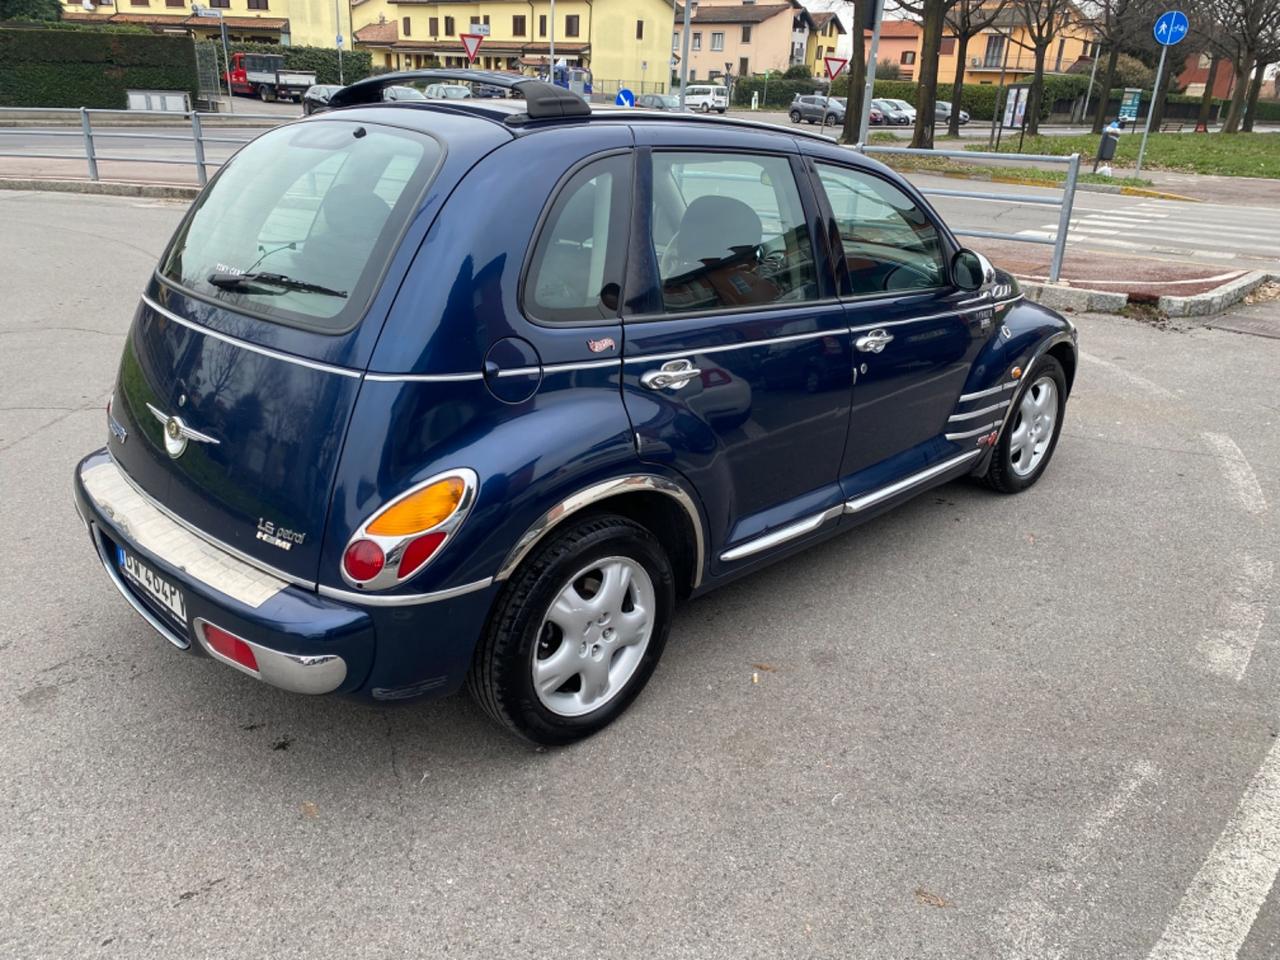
{"x": 674, "y": 374}
{"x": 873, "y": 342}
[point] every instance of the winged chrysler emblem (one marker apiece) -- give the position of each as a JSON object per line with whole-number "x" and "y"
{"x": 177, "y": 433}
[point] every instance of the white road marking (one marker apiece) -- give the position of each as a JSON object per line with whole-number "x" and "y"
{"x": 1127, "y": 374}
{"x": 1229, "y": 645}
{"x": 1028, "y": 919}
{"x": 1222, "y": 903}
{"x": 1241, "y": 479}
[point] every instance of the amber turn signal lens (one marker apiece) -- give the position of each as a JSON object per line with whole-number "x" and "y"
{"x": 1017, "y": 373}
{"x": 419, "y": 511}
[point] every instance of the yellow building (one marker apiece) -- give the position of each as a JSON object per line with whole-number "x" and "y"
{"x": 314, "y": 23}
{"x": 823, "y": 38}
{"x": 623, "y": 42}
{"x": 1006, "y": 44}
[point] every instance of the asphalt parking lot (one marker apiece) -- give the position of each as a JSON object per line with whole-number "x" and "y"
{"x": 979, "y": 727}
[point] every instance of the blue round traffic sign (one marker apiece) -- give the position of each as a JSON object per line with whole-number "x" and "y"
{"x": 625, "y": 98}
{"x": 1171, "y": 28}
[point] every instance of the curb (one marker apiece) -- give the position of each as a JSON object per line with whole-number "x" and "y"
{"x": 112, "y": 188}
{"x": 1215, "y": 301}
{"x": 1082, "y": 300}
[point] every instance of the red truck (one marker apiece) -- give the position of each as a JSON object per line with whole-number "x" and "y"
{"x": 263, "y": 75}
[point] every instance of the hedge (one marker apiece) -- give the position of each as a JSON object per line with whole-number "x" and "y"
{"x": 322, "y": 61}
{"x": 90, "y": 68}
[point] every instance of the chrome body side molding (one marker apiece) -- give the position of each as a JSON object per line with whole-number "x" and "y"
{"x": 772, "y": 539}
{"x": 906, "y": 483}
{"x": 403, "y": 599}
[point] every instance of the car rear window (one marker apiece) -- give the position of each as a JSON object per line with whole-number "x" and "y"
{"x": 299, "y": 225}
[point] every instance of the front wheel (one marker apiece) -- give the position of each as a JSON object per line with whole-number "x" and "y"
{"x": 577, "y": 632}
{"x": 795, "y": 116}
{"x": 829, "y": 120}
{"x": 1031, "y": 435}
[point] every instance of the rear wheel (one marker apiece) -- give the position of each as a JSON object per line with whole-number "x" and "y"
{"x": 263, "y": 95}
{"x": 706, "y": 107}
{"x": 577, "y": 632}
{"x": 1031, "y": 435}
{"x": 829, "y": 120}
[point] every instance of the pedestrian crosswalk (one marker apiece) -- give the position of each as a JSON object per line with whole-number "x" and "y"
{"x": 1174, "y": 228}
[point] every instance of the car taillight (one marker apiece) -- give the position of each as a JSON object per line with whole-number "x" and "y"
{"x": 229, "y": 645}
{"x": 401, "y": 538}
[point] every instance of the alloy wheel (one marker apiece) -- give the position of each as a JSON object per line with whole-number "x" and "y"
{"x": 1033, "y": 426}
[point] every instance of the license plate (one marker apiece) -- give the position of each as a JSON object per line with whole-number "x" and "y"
{"x": 152, "y": 584}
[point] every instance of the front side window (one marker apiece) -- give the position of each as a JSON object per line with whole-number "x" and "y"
{"x": 889, "y": 243}
{"x": 729, "y": 231}
{"x": 576, "y": 270}
{"x": 299, "y": 225}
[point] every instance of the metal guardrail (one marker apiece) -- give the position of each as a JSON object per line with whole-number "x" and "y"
{"x": 89, "y": 136}
{"x": 1064, "y": 203}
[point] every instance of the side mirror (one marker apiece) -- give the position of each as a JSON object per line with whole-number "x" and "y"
{"x": 971, "y": 271}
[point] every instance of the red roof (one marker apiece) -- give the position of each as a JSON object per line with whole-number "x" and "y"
{"x": 388, "y": 32}
{"x": 898, "y": 28}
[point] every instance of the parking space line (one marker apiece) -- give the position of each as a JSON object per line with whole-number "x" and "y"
{"x": 1028, "y": 918}
{"x": 1129, "y": 375}
{"x": 1222, "y": 903}
{"x": 1241, "y": 611}
{"x": 1239, "y": 475}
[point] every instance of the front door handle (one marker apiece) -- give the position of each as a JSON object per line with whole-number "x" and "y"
{"x": 873, "y": 342}
{"x": 674, "y": 374}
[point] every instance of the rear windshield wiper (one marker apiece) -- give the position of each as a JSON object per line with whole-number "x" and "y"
{"x": 231, "y": 281}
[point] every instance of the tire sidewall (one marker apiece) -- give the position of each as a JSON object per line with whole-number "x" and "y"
{"x": 514, "y": 673}
{"x": 1047, "y": 367}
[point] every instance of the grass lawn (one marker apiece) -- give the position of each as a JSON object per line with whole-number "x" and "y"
{"x": 907, "y": 163}
{"x": 1228, "y": 155}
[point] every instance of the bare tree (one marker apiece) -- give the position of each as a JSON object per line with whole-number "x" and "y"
{"x": 966, "y": 19}
{"x": 1241, "y": 29}
{"x": 1044, "y": 21}
{"x": 857, "y": 72}
{"x": 932, "y": 14}
{"x": 1115, "y": 23}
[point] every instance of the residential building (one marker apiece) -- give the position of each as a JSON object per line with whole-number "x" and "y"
{"x": 899, "y": 43}
{"x": 1195, "y": 74}
{"x": 743, "y": 38}
{"x": 1007, "y": 45}
{"x": 303, "y": 22}
{"x": 823, "y": 40}
{"x": 622, "y": 42}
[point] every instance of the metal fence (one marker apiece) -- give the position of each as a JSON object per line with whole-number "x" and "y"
{"x": 95, "y": 142}
{"x": 1064, "y": 201}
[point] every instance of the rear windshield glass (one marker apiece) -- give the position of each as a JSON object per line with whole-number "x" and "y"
{"x": 299, "y": 225}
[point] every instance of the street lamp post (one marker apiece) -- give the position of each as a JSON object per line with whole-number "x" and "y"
{"x": 684, "y": 54}
{"x": 337, "y": 30}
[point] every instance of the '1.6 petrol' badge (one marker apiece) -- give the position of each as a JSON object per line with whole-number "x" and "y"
{"x": 177, "y": 433}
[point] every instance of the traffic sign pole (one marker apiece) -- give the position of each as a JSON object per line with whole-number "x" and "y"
{"x": 865, "y": 120}
{"x": 1170, "y": 29}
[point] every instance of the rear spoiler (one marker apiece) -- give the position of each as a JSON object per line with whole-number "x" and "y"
{"x": 544, "y": 100}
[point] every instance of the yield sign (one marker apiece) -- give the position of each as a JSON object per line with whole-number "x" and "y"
{"x": 471, "y": 44}
{"x": 834, "y": 65}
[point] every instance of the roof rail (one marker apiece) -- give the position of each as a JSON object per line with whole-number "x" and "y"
{"x": 543, "y": 100}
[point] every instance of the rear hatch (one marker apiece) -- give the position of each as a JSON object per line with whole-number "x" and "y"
{"x": 244, "y": 361}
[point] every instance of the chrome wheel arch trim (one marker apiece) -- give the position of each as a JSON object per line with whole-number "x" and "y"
{"x": 632, "y": 483}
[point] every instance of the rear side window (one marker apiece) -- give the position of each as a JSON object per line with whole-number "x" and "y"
{"x": 299, "y": 225}
{"x": 729, "y": 231}
{"x": 575, "y": 274}
{"x": 889, "y": 243}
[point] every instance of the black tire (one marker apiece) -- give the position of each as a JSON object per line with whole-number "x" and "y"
{"x": 706, "y": 107}
{"x": 263, "y": 95}
{"x": 829, "y": 120}
{"x": 1001, "y": 474}
{"x": 722, "y": 110}
{"x": 795, "y": 116}
{"x": 501, "y": 680}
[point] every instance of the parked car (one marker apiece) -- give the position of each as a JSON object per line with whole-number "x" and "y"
{"x": 707, "y": 97}
{"x": 401, "y": 92}
{"x": 398, "y": 429}
{"x": 818, "y": 108}
{"x": 316, "y": 99}
{"x": 658, "y": 101}
{"x": 901, "y": 106}
{"x": 891, "y": 113}
{"x": 264, "y": 75}
{"x": 942, "y": 111}
{"x": 447, "y": 91}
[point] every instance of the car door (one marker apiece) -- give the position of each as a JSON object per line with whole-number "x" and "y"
{"x": 737, "y": 360}
{"x": 915, "y": 335}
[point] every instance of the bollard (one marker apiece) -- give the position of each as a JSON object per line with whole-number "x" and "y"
{"x": 198, "y": 141}
{"x": 88, "y": 144}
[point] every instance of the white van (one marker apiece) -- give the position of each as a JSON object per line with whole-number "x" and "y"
{"x": 707, "y": 97}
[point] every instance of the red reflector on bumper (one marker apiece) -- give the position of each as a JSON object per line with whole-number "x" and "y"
{"x": 229, "y": 646}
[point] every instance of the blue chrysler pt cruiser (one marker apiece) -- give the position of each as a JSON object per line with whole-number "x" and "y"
{"x": 474, "y": 391}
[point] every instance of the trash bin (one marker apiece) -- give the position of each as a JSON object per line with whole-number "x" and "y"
{"x": 1106, "y": 146}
